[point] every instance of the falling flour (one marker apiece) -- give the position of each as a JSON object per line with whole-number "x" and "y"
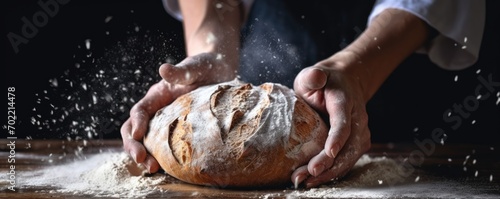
{"x": 110, "y": 174}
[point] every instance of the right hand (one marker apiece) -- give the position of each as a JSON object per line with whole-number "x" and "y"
{"x": 189, "y": 74}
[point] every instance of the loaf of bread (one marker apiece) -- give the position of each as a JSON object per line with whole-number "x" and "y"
{"x": 236, "y": 134}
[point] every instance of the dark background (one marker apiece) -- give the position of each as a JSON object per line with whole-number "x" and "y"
{"x": 141, "y": 35}
{"x": 64, "y": 90}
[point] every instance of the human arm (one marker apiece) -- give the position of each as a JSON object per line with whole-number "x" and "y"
{"x": 212, "y": 37}
{"x": 341, "y": 85}
{"x": 212, "y": 42}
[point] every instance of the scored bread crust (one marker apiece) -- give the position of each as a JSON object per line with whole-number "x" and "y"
{"x": 235, "y": 134}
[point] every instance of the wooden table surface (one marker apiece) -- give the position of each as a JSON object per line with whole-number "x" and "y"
{"x": 450, "y": 171}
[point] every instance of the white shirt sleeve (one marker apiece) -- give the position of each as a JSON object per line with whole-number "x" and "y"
{"x": 172, "y": 7}
{"x": 460, "y": 24}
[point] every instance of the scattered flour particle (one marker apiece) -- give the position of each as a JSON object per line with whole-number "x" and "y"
{"x": 473, "y": 122}
{"x": 456, "y": 78}
{"x": 415, "y": 129}
{"x": 478, "y": 71}
{"x": 466, "y": 159}
{"x": 87, "y": 44}
{"x": 491, "y": 177}
{"x": 210, "y": 38}
{"x": 195, "y": 193}
{"x": 475, "y": 174}
{"x": 375, "y": 38}
{"x": 474, "y": 161}
{"x": 380, "y": 181}
{"x": 54, "y": 82}
{"x": 107, "y": 19}
{"x": 417, "y": 178}
{"x": 464, "y": 47}
{"x": 218, "y": 5}
{"x": 465, "y": 39}
{"x": 449, "y": 159}
{"x": 136, "y": 29}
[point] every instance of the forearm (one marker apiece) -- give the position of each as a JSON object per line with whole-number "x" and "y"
{"x": 212, "y": 26}
{"x": 390, "y": 38}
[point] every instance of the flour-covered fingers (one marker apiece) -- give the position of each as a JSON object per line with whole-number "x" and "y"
{"x": 299, "y": 175}
{"x": 139, "y": 119}
{"x": 357, "y": 144}
{"x": 319, "y": 163}
{"x": 151, "y": 164}
{"x": 344, "y": 161}
{"x": 339, "y": 112}
{"x": 130, "y": 145}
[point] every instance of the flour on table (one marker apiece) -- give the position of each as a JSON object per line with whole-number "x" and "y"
{"x": 367, "y": 172}
{"x": 110, "y": 174}
{"x": 380, "y": 177}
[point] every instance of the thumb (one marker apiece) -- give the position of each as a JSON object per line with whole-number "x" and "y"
{"x": 309, "y": 85}
{"x": 183, "y": 73}
{"x": 310, "y": 79}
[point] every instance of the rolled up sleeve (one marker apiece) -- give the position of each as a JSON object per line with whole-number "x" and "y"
{"x": 459, "y": 23}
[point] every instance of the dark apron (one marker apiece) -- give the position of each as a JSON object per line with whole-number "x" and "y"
{"x": 281, "y": 37}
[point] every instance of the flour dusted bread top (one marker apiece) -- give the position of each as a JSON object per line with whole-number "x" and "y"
{"x": 235, "y": 134}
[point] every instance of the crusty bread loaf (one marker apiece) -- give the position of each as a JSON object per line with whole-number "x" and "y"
{"x": 235, "y": 135}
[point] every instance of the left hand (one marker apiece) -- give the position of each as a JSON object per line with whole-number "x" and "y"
{"x": 333, "y": 91}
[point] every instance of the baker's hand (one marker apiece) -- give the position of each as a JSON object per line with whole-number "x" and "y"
{"x": 192, "y": 72}
{"x": 337, "y": 94}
